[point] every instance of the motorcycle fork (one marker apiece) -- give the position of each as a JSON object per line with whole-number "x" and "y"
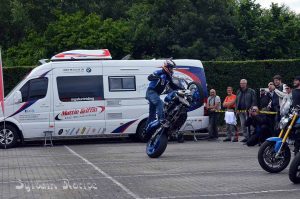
{"x": 286, "y": 134}
{"x": 175, "y": 117}
{"x": 156, "y": 132}
{"x": 281, "y": 133}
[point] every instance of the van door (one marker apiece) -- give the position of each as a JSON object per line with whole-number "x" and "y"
{"x": 78, "y": 100}
{"x": 33, "y": 113}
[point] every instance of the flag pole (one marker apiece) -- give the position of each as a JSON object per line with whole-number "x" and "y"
{"x": 2, "y": 98}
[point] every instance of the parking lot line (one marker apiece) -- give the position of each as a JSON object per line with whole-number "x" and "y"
{"x": 228, "y": 194}
{"x": 104, "y": 174}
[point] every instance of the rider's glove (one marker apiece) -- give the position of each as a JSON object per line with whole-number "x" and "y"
{"x": 153, "y": 77}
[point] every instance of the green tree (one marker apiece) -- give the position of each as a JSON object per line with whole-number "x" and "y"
{"x": 5, "y": 18}
{"x": 200, "y": 29}
{"x": 184, "y": 28}
{"x": 26, "y": 53}
{"x": 267, "y": 33}
{"x": 89, "y": 32}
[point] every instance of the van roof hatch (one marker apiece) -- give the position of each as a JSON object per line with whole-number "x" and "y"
{"x": 74, "y": 55}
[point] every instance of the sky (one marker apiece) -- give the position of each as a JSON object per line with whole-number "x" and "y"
{"x": 294, "y": 5}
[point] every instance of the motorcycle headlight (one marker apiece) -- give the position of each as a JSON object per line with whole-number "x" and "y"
{"x": 184, "y": 101}
{"x": 283, "y": 122}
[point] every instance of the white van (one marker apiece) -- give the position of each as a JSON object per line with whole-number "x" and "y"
{"x": 85, "y": 94}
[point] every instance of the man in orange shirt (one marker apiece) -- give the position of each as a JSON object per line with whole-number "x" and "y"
{"x": 230, "y": 119}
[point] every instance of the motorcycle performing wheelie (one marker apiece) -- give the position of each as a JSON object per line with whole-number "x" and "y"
{"x": 274, "y": 154}
{"x": 177, "y": 104}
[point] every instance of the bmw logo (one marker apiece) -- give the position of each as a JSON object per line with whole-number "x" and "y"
{"x": 88, "y": 70}
{"x": 60, "y": 131}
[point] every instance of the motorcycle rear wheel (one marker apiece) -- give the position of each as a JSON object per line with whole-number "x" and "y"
{"x": 157, "y": 145}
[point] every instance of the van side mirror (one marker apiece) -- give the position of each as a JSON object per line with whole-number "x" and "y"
{"x": 18, "y": 97}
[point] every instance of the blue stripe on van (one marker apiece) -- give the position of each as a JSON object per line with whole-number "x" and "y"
{"x": 122, "y": 129}
{"x": 25, "y": 106}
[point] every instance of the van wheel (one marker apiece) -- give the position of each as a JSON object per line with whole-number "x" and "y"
{"x": 11, "y": 136}
{"x": 139, "y": 136}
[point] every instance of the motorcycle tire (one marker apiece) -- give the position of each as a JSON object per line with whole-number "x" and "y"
{"x": 294, "y": 172}
{"x": 267, "y": 148}
{"x": 157, "y": 145}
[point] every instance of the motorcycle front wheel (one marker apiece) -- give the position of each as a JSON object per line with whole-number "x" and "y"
{"x": 268, "y": 160}
{"x": 157, "y": 144}
{"x": 294, "y": 172}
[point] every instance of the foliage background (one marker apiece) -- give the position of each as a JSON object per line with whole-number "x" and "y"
{"x": 210, "y": 30}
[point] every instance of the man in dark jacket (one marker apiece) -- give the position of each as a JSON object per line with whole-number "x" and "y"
{"x": 296, "y": 92}
{"x": 245, "y": 99}
{"x": 296, "y": 103}
{"x": 274, "y": 107}
{"x": 261, "y": 125}
{"x": 274, "y": 99}
{"x": 264, "y": 99}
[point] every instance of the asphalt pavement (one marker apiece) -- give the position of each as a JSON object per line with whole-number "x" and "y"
{"x": 121, "y": 169}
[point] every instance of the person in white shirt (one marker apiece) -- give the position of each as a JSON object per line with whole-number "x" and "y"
{"x": 277, "y": 80}
{"x": 286, "y": 99}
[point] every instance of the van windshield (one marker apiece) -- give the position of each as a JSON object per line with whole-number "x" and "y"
{"x": 13, "y": 90}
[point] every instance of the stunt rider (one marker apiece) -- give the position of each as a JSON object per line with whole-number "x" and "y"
{"x": 158, "y": 82}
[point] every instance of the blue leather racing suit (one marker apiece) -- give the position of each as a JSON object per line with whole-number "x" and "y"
{"x": 158, "y": 82}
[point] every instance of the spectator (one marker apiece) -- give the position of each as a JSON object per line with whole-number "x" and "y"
{"x": 213, "y": 104}
{"x": 261, "y": 125}
{"x": 245, "y": 99}
{"x": 296, "y": 92}
{"x": 264, "y": 99}
{"x": 286, "y": 99}
{"x": 274, "y": 99}
{"x": 281, "y": 87}
{"x": 277, "y": 80}
{"x": 230, "y": 119}
{"x": 274, "y": 107}
{"x": 296, "y": 103}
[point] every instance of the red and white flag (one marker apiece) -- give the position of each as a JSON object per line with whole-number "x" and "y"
{"x": 1, "y": 85}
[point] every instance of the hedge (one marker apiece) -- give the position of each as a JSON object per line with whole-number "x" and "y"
{"x": 219, "y": 74}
